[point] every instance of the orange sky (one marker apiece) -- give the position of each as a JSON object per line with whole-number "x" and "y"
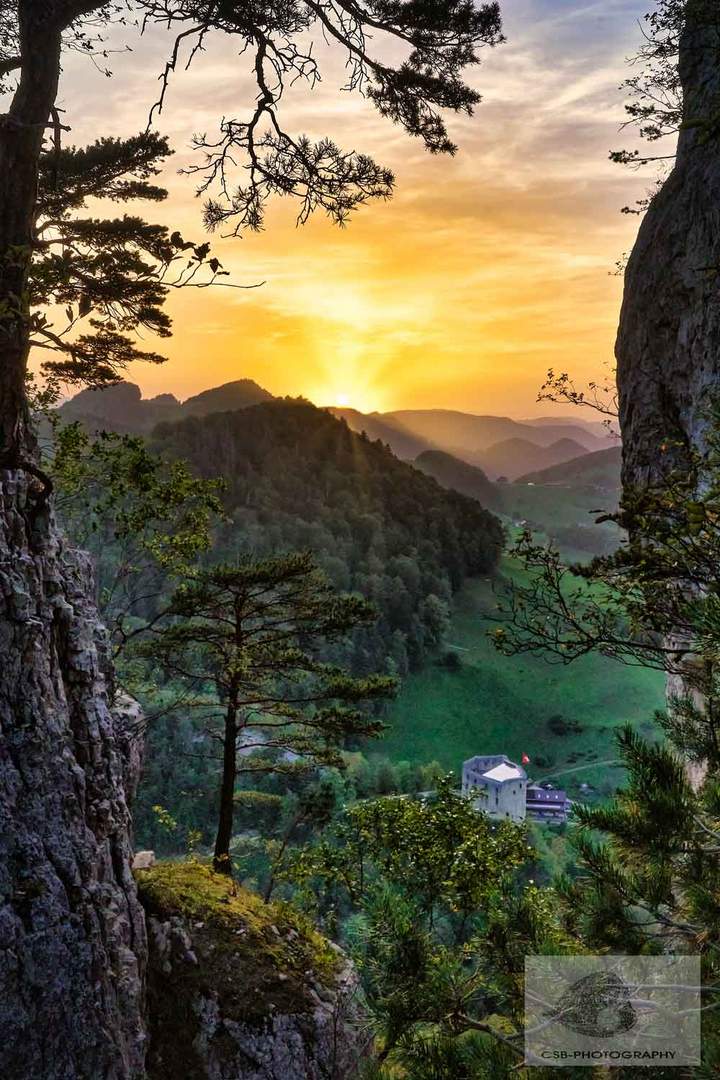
{"x": 481, "y": 273}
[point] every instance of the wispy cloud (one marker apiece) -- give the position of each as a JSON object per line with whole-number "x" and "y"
{"x": 481, "y": 272}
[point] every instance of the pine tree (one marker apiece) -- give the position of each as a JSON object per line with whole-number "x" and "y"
{"x": 110, "y": 277}
{"x": 245, "y": 637}
{"x": 649, "y": 862}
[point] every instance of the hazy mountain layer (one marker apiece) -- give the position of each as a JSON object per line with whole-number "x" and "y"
{"x": 601, "y": 469}
{"x": 457, "y": 475}
{"x": 498, "y": 445}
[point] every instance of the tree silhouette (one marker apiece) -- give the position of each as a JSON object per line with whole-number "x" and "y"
{"x": 108, "y": 277}
{"x": 439, "y": 39}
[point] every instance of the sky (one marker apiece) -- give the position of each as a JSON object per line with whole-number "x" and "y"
{"x": 482, "y": 272}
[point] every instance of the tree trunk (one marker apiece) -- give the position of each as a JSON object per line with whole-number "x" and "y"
{"x": 22, "y": 132}
{"x": 668, "y": 345}
{"x": 222, "y": 863}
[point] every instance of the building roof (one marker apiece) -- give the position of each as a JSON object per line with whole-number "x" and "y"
{"x": 505, "y": 772}
{"x": 497, "y": 768}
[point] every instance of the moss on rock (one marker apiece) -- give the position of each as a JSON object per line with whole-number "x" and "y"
{"x": 230, "y": 975}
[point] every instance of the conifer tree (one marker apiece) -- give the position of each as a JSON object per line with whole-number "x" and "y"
{"x": 246, "y": 638}
{"x": 105, "y": 279}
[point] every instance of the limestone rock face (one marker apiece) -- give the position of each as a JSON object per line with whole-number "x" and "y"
{"x": 668, "y": 346}
{"x": 236, "y": 991}
{"x": 72, "y": 933}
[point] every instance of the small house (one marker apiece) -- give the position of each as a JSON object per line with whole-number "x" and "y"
{"x": 547, "y": 804}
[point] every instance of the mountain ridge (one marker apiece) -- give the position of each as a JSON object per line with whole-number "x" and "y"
{"x": 497, "y": 445}
{"x": 601, "y": 468}
{"x": 123, "y": 408}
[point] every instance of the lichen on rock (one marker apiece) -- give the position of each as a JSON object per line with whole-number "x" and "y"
{"x": 243, "y": 990}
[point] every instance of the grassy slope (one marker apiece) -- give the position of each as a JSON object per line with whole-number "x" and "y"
{"x": 496, "y": 704}
{"x": 555, "y": 504}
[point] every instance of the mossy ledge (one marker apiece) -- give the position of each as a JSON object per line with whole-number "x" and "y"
{"x": 238, "y": 988}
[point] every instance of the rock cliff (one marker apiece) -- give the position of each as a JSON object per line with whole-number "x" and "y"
{"x": 72, "y": 933}
{"x": 668, "y": 345}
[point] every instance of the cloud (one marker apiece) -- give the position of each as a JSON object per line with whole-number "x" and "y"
{"x": 481, "y": 271}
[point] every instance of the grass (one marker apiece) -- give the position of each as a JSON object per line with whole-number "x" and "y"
{"x": 563, "y": 511}
{"x": 496, "y": 704}
{"x": 557, "y": 504}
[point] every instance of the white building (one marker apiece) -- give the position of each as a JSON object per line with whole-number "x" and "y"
{"x": 500, "y": 783}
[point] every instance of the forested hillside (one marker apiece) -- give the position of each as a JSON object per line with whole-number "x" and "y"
{"x": 456, "y": 474}
{"x": 297, "y": 478}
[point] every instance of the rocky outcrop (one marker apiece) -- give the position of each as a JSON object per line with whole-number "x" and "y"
{"x": 243, "y": 990}
{"x": 72, "y": 934}
{"x": 668, "y": 346}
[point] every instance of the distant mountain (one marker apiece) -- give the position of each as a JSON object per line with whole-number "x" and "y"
{"x": 512, "y": 457}
{"x": 445, "y": 428}
{"x": 598, "y": 428}
{"x": 457, "y": 475}
{"x": 122, "y": 407}
{"x": 600, "y": 470}
{"x": 409, "y": 432}
{"x": 240, "y": 394}
{"x": 403, "y": 443}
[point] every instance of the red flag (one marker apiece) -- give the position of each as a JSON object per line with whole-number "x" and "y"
{"x": 525, "y": 759}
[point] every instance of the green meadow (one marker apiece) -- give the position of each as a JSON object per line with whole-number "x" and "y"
{"x": 562, "y": 716}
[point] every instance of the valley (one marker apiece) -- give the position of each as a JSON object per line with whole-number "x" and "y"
{"x": 562, "y": 717}
{"x": 289, "y": 470}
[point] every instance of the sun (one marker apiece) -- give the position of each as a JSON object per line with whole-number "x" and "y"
{"x": 363, "y": 398}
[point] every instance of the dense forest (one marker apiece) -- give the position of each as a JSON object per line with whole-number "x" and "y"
{"x": 299, "y": 479}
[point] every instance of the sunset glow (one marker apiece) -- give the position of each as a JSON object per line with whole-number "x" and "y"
{"x": 481, "y": 273}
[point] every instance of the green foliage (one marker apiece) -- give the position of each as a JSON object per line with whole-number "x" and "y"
{"x": 144, "y": 519}
{"x": 258, "y": 810}
{"x": 164, "y": 818}
{"x": 438, "y": 924}
{"x": 433, "y": 1056}
{"x": 243, "y": 640}
{"x": 650, "y": 870}
{"x": 440, "y": 850}
{"x": 405, "y": 971}
{"x": 252, "y": 631}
